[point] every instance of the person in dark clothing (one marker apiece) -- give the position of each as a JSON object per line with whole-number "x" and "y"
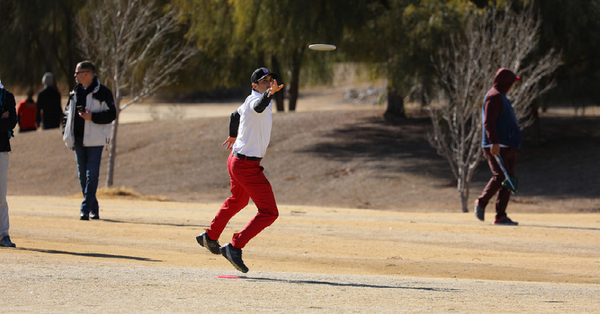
{"x": 49, "y": 111}
{"x": 501, "y": 135}
{"x": 8, "y": 121}
{"x": 86, "y": 129}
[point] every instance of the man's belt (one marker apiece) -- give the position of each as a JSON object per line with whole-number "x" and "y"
{"x": 244, "y": 157}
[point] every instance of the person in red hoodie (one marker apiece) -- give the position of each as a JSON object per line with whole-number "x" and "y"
{"x": 26, "y": 113}
{"x": 501, "y": 135}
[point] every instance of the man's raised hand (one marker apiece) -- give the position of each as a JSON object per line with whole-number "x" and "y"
{"x": 274, "y": 87}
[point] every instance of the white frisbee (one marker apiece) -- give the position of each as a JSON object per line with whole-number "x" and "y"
{"x": 322, "y": 47}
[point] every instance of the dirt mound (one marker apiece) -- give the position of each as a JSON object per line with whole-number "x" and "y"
{"x": 347, "y": 158}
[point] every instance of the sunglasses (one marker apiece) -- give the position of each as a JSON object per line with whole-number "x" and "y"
{"x": 267, "y": 80}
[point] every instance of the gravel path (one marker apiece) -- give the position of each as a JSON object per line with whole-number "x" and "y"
{"x": 142, "y": 258}
{"x": 96, "y": 287}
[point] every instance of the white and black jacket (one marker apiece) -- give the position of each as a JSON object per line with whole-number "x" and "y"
{"x": 100, "y": 103}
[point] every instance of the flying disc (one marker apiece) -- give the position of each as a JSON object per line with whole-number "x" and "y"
{"x": 322, "y": 47}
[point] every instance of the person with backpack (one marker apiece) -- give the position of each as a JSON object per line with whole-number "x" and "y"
{"x": 8, "y": 121}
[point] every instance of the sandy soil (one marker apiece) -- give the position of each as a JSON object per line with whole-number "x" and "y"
{"x": 142, "y": 257}
{"x": 341, "y": 158}
{"x": 377, "y": 226}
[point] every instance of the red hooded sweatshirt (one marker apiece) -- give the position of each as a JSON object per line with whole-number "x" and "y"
{"x": 503, "y": 80}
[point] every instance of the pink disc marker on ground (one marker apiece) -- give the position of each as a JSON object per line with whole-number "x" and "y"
{"x": 228, "y": 277}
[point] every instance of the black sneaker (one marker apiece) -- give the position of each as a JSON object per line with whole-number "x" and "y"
{"x": 505, "y": 221}
{"x": 84, "y": 217}
{"x": 479, "y": 211}
{"x": 212, "y": 245}
{"x": 234, "y": 256}
{"x": 95, "y": 216}
{"x": 5, "y": 242}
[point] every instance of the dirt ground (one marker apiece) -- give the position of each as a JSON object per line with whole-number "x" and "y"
{"x": 142, "y": 257}
{"x": 369, "y": 220}
{"x": 347, "y": 157}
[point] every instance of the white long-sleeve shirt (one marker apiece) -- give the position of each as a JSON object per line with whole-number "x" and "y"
{"x": 254, "y": 133}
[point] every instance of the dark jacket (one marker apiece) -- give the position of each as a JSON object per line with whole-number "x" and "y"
{"x": 7, "y": 104}
{"x": 499, "y": 120}
{"x": 49, "y": 112}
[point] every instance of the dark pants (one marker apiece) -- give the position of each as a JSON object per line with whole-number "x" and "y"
{"x": 88, "y": 166}
{"x": 48, "y": 126}
{"x": 494, "y": 186}
{"x": 247, "y": 181}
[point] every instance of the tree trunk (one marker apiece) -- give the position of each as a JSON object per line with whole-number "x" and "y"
{"x": 280, "y": 95}
{"x": 295, "y": 80}
{"x": 57, "y": 58}
{"x": 535, "y": 127}
{"x": 463, "y": 190}
{"x": 112, "y": 155}
{"x": 395, "y": 107}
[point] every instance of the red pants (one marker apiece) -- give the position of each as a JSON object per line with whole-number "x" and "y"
{"x": 494, "y": 186}
{"x": 247, "y": 181}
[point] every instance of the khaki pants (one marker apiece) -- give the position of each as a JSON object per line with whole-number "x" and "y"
{"x": 3, "y": 204}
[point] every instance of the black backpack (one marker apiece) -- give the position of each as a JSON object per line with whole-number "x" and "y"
{"x": 3, "y": 92}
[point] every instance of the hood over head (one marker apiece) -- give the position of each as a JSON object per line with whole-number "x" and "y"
{"x": 504, "y": 79}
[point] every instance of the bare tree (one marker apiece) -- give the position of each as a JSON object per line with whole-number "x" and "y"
{"x": 465, "y": 68}
{"x": 138, "y": 46}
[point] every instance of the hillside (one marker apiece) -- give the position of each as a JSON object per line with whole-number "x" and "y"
{"x": 349, "y": 158}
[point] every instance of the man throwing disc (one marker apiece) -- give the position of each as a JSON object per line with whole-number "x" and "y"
{"x": 249, "y": 135}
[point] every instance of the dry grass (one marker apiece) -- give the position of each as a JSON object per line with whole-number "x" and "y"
{"x": 349, "y": 158}
{"x": 126, "y": 193}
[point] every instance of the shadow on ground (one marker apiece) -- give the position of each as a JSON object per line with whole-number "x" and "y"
{"x": 337, "y": 284}
{"x": 99, "y": 255}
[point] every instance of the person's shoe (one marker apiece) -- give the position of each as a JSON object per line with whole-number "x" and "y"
{"x": 84, "y": 217}
{"x": 212, "y": 245}
{"x": 5, "y": 242}
{"x": 94, "y": 216}
{"x": 505, "y": 221}
{"x": 234, "y": 256}
{"x": 479, "y": 211}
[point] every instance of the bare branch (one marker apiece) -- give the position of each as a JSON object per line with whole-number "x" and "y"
{"x": 131, "y": 42}
{"x": 465, "y": 66}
